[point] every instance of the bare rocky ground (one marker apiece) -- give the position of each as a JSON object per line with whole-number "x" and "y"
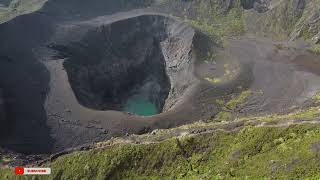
{"x": 282, "y": 75}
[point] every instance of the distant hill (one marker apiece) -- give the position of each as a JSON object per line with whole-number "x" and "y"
{"x": 12, "y": 8}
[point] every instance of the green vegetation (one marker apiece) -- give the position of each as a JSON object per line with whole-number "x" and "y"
{"x": 315, "y": 49}
{"x": 290, "y": 152}
{"x": 305, "y": 115}
{"x": 218, "y": 23}
{"x": 316, "y": 97}
{"x": 251, "y": 153}
{"x": 228, "y": 109}
{"x": 4, "y": 158}
{"x": 235, "y": 101}
{"x": 276, "y": 23}
{"x": 229, "y": 73}
{"x": 220, "y": 101}
{"x": 279, "y": 46}
{"x": 213, "y": 80}
{"x": 306, "y": 26}
{"x": 223, "y": 116}
{"x": 282, "y": 22}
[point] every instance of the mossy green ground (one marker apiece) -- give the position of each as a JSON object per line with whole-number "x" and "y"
{"x": 277, "y": 23}
{"x": 251, "y": 153}
{"x": 238, "y": 100}
{"x": 315, "y": 49}
{"x": 217, "y": 23}
{"x": 316, "y": 97}
{"x": 228, "y": 108}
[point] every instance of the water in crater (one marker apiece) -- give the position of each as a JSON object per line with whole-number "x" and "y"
{"x": 140, "y": 105}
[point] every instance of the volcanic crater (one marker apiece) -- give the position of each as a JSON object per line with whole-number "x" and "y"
{"x": 91, "y": 79}
{"x": 109, "y": 76}
{"x": 115, "y": 64}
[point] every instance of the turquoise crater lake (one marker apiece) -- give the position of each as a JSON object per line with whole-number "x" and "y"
{"x": 141, "y": 106}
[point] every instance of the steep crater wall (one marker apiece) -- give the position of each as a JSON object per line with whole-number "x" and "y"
{"x": 146, "y": 57}
{"x": 258, "y": 5}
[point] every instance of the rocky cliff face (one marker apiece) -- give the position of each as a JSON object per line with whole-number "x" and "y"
{"x": 289, "y": 19}
{"x": 111, "y": 64}
{"x": 308, "y": 26}
{"x": 280, "y": 20}
{"x": 258, "y": 5}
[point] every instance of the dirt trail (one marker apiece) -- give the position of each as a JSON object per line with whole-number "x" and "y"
{"x": 177, "y": 133}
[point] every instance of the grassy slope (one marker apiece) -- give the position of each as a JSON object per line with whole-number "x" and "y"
{"x": 276, "y": 23}
{"x": 306, "y": 26}
{"x": 221, "y": 24}
{"x": 253, "y": 152}
{"x": 282, "y": 22}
